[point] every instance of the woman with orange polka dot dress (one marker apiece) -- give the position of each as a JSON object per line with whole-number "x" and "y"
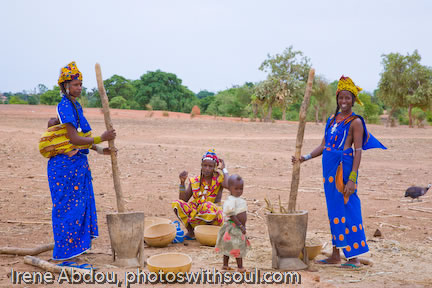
{"x": 74, "y": 219}
{"x": 340, "y": 165}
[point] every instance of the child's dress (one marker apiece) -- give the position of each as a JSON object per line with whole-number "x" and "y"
{"x": 231, "y": 241}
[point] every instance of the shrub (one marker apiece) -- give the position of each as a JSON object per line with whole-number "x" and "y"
{"x": 429, "y": 117}
{"x": 374, "y": 120}
{"x": 16, "y": 100}
{"x": 418, "y": 116}
{"x": 157, "y": 103}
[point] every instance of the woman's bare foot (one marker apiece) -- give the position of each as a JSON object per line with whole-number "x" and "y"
{"x": 241, "y": 269}
{"x": 333, "y": 259}
{"x": 227, "y": 268}
{"x": 190, "y": 234}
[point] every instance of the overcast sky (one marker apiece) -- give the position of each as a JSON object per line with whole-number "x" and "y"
{"x": 210, "y": 45}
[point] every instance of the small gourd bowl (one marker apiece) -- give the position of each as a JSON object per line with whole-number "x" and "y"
{"x": 160, "y": 235}
{"x": 207, "y": 234}
{"x": 169, "y": 262}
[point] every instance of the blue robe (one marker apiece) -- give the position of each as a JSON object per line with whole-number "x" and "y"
{"x": 74, "y": 217}
{"x": 346, "y": 224}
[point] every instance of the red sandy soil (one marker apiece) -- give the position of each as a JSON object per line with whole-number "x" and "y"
{"x": 155, "y": 146}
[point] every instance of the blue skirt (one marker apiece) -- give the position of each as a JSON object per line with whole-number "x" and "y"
{"x": 346, "y": 222}
{"x": 74, "y": 218}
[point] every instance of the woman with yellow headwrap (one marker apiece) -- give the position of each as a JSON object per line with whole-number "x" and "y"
{"x": 340, "y": 165}
{"x": 205, "y": 191}
{"x": 74, "y": 217}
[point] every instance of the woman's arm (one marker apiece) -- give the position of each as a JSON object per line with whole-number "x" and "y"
{"x": 184, "y": 194}
{"x": 226, "y": 176}
{"x": 187, "y": 194}
{"x": 102, "y": 150}
{"x": 315, "y": 153}
{"x": 357, "y": 130}
{"x": 79, "y": 140}
{"x": 219, "y": 195}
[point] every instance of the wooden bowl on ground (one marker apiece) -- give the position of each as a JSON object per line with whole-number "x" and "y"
{"x": 151, "y": 220}
{"x": 169, "y": 262}
{"x": 160, "y": 235}
{"x": 207, "y": 234}
{"x": 312, "y": 251}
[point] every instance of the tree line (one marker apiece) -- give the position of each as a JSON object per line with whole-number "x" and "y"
{"x": 404, "y": 91}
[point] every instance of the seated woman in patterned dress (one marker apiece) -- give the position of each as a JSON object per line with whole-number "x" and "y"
{"x": 205, "y": 191}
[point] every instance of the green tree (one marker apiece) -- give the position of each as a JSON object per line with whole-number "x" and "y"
{"x": 33, "y": 99}
{"x": 157, "y": 103}
{"x": 419, "y": 116}
{"x": 405, "y": 83}
{"x": 287, "y": 75}
{"x": 84, "y": 99}
{"x": 375, "y": 99}
{"x": 204, "y": 93}
{"x": 421, "y": 98}
{"x": 51, "y": 97}
{"x": 257, "y": 105}
{"x": 133, "y": 105}
{"x": 321, "y": 97}
{"x": 119, "y": 86}
{"x": 205, "y": 102}
{"x": 42, "y": 88}
{"x": 118, "y": 102}
{"x": 369, "y": 110}
{"x": 231, "y": 102}
{"x": 429, "y": 116}
{"x": 115, "y": 86}
{"x": 17, "y": 100}
{"x": 93, "y": 98}
{"x": 167, "y": 88}
{"x": 265, "y": 92}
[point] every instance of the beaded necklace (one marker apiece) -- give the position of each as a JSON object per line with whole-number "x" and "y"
{"x": 336, "y": 123}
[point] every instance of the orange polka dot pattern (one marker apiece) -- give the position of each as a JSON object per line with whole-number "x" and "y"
{"x": 345, "y": 219}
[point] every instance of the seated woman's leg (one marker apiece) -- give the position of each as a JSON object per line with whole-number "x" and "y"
{"x": 209, "y": 213}
{"x": 185, "y": 214}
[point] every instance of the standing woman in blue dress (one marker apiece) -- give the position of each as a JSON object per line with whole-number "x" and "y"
{"x": 74, "y": 218}
{"x": 345, "y": 137}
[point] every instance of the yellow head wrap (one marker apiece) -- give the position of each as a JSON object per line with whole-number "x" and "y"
{"x": 345, "y": 83}
{"x": 69, "y": 72}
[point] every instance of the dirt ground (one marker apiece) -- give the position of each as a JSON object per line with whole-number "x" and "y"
{"x": 154, "y": 148}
